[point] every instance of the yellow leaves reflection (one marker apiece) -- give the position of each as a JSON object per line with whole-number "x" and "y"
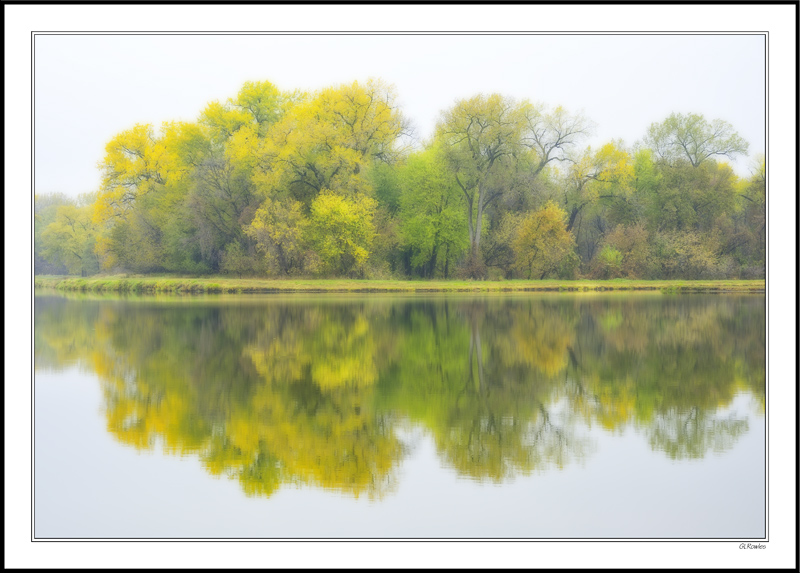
{"x": 310, "y": 393}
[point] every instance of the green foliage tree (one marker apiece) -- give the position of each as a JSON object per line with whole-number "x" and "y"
{"x": 45, "y": 207}
{"x": 236, "y": 261}
{"x": 602, "y": 175}
{"x": 688, "y": 254}
{"x": 433, "y": 225}
{"x": 691, "y": 137}
{"x": 626, "y": 253}
{"x": 479, "y": 137}
{"x": 553, "y": 133}
{"x": 746, "y": 240}
{"x": 609, "y": 263}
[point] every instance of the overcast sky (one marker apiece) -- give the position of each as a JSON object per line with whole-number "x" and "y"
{"x": 90, "y": 87}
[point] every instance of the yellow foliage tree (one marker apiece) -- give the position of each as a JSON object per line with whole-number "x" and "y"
{"x": 140, "y": 192}
{"x": 341, "y": 232}
{"x": 542, "y": 241}
{"x": 277, "y": 228}
{"x": 329, "y": 140}
{"x": 70, "y": 239}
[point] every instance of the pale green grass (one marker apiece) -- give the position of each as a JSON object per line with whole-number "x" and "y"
{"x": 163, "y": 284}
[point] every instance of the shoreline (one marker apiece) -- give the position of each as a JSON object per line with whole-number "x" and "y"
{"x": 212, "y": 285}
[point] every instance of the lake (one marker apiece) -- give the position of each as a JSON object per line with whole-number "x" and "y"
{"x": 515, "y": 416}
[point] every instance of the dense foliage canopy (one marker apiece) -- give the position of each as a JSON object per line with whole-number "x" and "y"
{"x": 332, "y": 183}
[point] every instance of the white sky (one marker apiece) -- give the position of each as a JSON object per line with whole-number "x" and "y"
{"x": 90, "y": 87}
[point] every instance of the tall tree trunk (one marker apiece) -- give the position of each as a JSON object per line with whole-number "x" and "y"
{"x": 572, "y": 216}
{"x": 432, "y": 262}
{"x": 476, "y": 266}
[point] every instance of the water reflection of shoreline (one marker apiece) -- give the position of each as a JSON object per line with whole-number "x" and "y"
{"x": 278, "y": 394}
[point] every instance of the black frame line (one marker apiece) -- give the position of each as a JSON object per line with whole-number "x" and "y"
{"x": 397, "y": 33}
{"x": 418, "y": 33}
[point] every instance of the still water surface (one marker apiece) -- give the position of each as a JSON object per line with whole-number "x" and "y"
{"x": 493, "y": 416}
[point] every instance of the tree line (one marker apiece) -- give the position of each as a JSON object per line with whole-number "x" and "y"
{"x": 332, "y": 183}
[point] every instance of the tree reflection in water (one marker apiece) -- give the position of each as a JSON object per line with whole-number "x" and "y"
{"x": 300, "y": 391}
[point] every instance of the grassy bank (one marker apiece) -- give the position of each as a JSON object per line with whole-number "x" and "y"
{"x": 155, "y": 284}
